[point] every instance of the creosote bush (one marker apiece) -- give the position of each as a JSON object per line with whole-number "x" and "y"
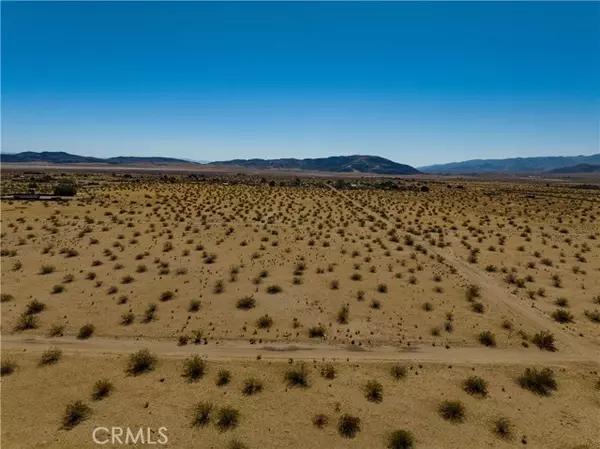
{"x": 223, "y": 377}
{"x": 140, "y": 362}
{"x": 503, "y": 428}
{"x": 297, "y": 377}
{"x": 544, "y": 340}
{"x": 401, "y": 439}
{"x": 246, "y": 303}
{"x": 328, "y": 371}
{"x": 227, "y": 418}
{"x": 374, "y": 391}
{"x": 475, "y": 386}
{"x": 562, "y": 316}
{"x": 540, "y": 382}
{"x": 7, "y": 367}
{"x": 201, "y": 414}
{"x": 453, "y": 411}
{"x": 85, "y": 332}
{"x": 398, "y": 371}
{"x": 264, "y": 322}
{"x": 75, "y": 413}
{"x": 50, "y": 356}
{"x": 252, "y": 386}
{"x": 102, "y": 389}
{"x": 486, "y": 338}
{"x": 166, "y": 296}
{"x": 194, "y": 368}
{"x": 316, "y": 332}
{"x": 348, "y": 425}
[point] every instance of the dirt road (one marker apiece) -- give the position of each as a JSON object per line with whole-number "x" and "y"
{"x": 242, "y": 349}
{"x": 493, "y": 293}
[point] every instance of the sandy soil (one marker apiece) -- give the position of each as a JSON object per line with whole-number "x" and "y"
{"x": 386, "y": 275}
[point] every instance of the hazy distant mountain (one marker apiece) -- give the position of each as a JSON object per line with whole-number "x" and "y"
{"x": 337, "y": 164}
{"x": 513, "y": 165}
{"x": 60, "y": 157}
{"x": 581, "y": 168}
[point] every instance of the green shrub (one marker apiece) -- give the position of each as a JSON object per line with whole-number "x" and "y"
{"x": 544, "y": 340}
{"x": 473, "y": 292}
{"x": 6, "y": 297}
{"x": 593, "y": 315}
{"x": 398, "y": 371}
{"x": 264, "y": 322}
{"x": 85, "y": 332}
{"x": 297, "y": 377}
{"x": 56, "y": 330}
{"x": 34, "y": 307}
{"x": 272, "y": 289}
{"x": 348, "y": 425}
{"x": 142, "y": 361}
{"x": 343, "y": 313}
{"x": 227, "y": 418}
{"x": 477, "y": 307}
{"x": 316, "y": 332}
{"x": 374, "y": 391}
{"x": 50, "y": 356}
{"x": 539, "y": 382}
{"x": 47, "y": 269}
{"x": 328, "y": 371}
{"x": 102, "y": 389}
{"x": 194, "y": 305}
{"x": 194, "y": 368}
{"x": 150, "y": 313}
{"x": 65, "y": 189}
{"x": 75, "y": 413}
{"x": 201, "y": 414}
{"x": 453, "y": 411}
{"x": 166, "y": 296}
{"x": 26, "y": 322}
{"x": 246, "y": 303}
{"x": 503, "y": 428}
{"x": 127, "y": 318}
{"x": 562, "y": 316}
{"x": 476, "y": 386}
{"x": 401, "y": 439}
{"x": 252, "y": 386}
{"x": 486, "y": 338}
{"x": 223, "y": 377}
{"x": 7, "y": 367}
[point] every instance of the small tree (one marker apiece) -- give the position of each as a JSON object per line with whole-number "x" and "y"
{"x": 65, "y": 189}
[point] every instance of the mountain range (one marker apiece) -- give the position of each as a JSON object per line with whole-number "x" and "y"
{"x": 512, "y": 165}
{"x": 60, "y": 157}
{"x": 338, "y": 164}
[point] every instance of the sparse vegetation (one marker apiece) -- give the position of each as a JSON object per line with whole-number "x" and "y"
{"x": 538, "y": 381}
{"x": 142, "y": 361}
{"x": 75, "y": 413}
{"x": 453, "y": 411}
{"x": 348, "y": 425}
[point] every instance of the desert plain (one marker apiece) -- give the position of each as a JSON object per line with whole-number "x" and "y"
{"x": 265, "y": 312}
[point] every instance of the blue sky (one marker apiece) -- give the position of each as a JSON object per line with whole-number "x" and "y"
{"x": 418, "y": 83}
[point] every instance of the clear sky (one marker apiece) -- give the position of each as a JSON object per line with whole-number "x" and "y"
{"x": 418, "y": 83}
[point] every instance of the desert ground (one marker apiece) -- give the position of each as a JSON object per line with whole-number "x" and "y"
{"x": 257, "y": 312}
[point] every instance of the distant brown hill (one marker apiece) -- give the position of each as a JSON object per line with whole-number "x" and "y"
{"x": 337, "y": 164}
{"x": 60, "y": 157}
